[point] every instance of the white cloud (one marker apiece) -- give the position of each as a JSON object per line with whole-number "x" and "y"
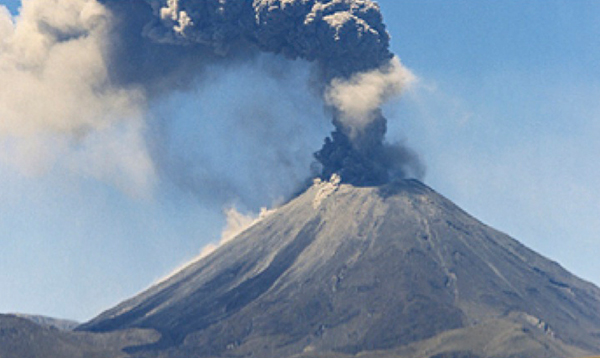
{"x": 236, "y": 224}
{"x": 57, "y": 102}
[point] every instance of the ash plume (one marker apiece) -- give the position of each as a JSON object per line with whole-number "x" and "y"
{"x": 107, "y": 62}
{"x": 58, "y": 105}
{"x": 346, "y": 40}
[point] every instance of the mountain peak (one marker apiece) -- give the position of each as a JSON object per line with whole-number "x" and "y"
{"x": 348, "y": 269}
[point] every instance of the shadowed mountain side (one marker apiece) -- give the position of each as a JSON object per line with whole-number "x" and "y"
{"x": 349, "y": 270}
{"x": 23, "y": 338}
{"x": 49, "y": 322}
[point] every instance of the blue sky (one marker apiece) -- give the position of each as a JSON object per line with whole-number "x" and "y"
{"x": 504, "y": 114}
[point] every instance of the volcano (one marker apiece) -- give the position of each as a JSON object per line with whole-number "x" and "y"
{"x": 389, "y": 271}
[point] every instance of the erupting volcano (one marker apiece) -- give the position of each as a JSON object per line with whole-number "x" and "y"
{"x": 366, "y": 261}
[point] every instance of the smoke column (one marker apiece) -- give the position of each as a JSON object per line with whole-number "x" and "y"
{"x": 96, "y": 92}
{"x": 94, "y": 66}
{"x": 346, "y": 40}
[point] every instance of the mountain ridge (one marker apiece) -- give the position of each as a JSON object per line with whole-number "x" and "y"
{"x": 50, "y": 322}
{"x": 358, "y": 270}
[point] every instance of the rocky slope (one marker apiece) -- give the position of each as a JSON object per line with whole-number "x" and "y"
{"x": 387, "y": 271}
{"x": 23, "y": 338}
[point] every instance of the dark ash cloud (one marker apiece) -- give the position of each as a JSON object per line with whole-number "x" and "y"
{"x": 169, "y": 42}
{"x": 109, "y": 62}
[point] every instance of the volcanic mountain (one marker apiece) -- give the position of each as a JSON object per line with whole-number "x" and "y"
{"x": 389, "y": 271}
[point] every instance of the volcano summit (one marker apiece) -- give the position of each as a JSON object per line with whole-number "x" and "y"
{"x": 389, "y": 271}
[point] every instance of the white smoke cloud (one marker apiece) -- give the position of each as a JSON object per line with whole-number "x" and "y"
{"x": 6, "y": 25}
{"x": 358, "y": 98}
{"x": 236, "y": 223}
{"x": 56, "y": 99}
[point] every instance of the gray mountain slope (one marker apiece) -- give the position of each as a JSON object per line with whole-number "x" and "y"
{"x": 50, "y": 322}
{"x": 387, "y": 271}
{"x": 22, "y": 338}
